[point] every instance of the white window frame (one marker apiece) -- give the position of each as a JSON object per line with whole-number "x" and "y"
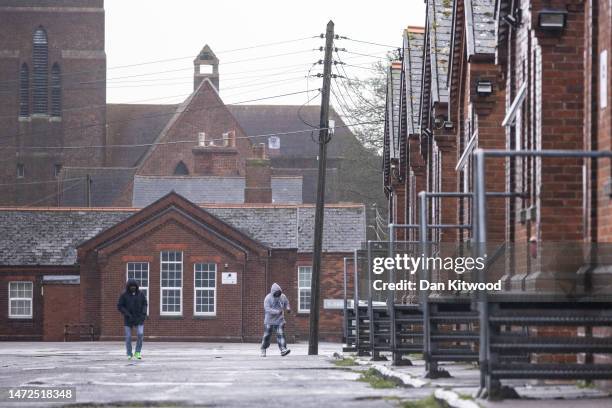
{"x": 141, "y": 287}
{"x": 196, "y": 288}
{"x": 162, "y": 288}
{"x": 30, "y": 299}
{"x": 300, "y": 288}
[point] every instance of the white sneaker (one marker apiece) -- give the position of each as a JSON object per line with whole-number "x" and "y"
{"x": 263, "y": 353}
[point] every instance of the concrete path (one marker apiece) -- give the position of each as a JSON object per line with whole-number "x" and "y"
{"x": 192, "y": 374}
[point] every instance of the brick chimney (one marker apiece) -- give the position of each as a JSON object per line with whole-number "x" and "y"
{"x": 258, "y": 187}
{"x": 216, "y": 156}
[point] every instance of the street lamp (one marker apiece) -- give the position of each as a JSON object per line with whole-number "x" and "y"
{"x": 552, "y": 20}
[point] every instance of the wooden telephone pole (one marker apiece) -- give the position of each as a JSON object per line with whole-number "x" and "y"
{"x": 324, "y": 137}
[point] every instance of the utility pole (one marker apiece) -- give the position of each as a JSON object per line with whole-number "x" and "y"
{"x": 315, "y": 284}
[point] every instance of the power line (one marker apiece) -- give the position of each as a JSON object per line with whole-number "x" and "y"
{"x": 341, "y": 37}
{"x": 170, "y": 59}
{"x": 295, "y": 132}
{"x": 96, "y": 124}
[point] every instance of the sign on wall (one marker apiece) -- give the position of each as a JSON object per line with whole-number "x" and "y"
{"x": 229, "y": 278}
{"x": 336, "y": 304}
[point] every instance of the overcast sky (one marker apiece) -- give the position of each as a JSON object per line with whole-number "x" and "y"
{"x": 141, "y": 32}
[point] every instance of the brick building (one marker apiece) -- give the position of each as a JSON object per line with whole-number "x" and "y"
{"x": 508, "y": 75}
{"x": 204, "y": 269}
{"x": 489, "y": 74}
{"x": 53, "y": 82}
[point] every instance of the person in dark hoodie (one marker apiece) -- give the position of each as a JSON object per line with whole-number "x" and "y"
{"x": 275, "y": 305}
{"x": 133, "y": 306}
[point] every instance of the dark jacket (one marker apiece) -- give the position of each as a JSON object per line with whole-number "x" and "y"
{"x": 133, "y": 306}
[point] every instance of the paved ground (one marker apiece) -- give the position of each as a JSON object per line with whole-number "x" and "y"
{"x": 233, "y": 375}
{"x": 201, "y": 374}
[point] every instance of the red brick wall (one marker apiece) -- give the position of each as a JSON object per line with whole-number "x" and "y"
{"x": 239, "y": 307}
{"x": 26, "y": 329}
{"x": 59, "y": 309}
{"x": 204, "y": 113}
{"x": 168, "y": 233}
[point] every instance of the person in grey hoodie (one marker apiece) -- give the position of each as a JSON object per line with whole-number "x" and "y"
{"x": 275, "y": 305}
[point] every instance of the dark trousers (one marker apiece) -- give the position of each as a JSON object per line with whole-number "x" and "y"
{"x": 280, "y": 336}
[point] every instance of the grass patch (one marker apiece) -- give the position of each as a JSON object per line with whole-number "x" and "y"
{"x": 429, "y": 402}
{"x": 585, "y": 384}
{"x": 345, "y": 362}
{"x": 376, "y": 380}
{"x": 466, "y": 397}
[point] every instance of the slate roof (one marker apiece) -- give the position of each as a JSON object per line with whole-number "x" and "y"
{"x": 35, "y": 237}
{"x": 266, "y": 119}
{"x": 51, "y": 236}
{"x": 393, "y": 108}
{"x": 107, "y": 185}
{"x": 480, "y": 26}
{"x": 202, "y": 189}
{"x": 413, "y": 74}
{"x": 440, "y": 21}
{"x": 130, "y": 124}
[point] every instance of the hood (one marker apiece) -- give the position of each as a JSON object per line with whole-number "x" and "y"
{"x": 132, "y": 282}
{"x": 275, "y": 287}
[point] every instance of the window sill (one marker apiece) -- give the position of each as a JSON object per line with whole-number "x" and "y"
{"x": 205, "y": 317}
{"x": 20, "y": 319}
{"x": 170, "y": 317}
{"x": 24, "y": 119}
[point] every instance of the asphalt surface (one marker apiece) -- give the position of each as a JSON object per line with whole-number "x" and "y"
{"x": 192, "y": 374}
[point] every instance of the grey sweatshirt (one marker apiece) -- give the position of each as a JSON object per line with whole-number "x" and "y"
{"x": 274, "y": 307}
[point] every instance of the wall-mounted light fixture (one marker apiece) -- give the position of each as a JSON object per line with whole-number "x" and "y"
{"x": 484, "y": 87}
{"x": 514, "y": 20}
{"x": 552, "y": 20}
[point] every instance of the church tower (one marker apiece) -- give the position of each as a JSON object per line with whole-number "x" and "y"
{"x": 53, "y": 86}
{"x": 206, "y": 65}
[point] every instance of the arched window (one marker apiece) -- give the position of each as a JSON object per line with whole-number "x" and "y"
{"x": 56, "y": 90}
{"x": 40, "y": 71}
{"x": 181, "y": 169}
{"x": 24, "y": 91}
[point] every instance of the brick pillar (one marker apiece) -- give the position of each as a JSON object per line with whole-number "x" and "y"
{"x": 559, "y": 84}
{"x": 490, "y": 111}
{"x": 258, "y": 177}
{"x": 447, "y": 145}
{"x": 419, "y": 171}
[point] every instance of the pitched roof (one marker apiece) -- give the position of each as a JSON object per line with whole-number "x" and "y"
{"x": 51, "y": 236}
{"x": 107, "y": 185}
{"x": 440, "y": 16}
{"x": 413, "y": 73}
{"x": 39, "y": 237}
{"x": 480, "y": 26}
{"x": 211, "y": 189}
{"x": 133, "y": 124}
{"x": 267, "y": 119}
{"x": 393, "y": 107}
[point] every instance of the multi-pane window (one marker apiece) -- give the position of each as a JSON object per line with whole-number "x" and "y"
{"x": 139, "y": 271}
{"x": 304, "y": 276}
{"x": 205, "y": 286}
{"x": 171, "y": 283}
{"x": 24, "y": 91}
{"x": 40, "y": 71}
{"x": 20, "y": 300}
{"x": 56, "y": 90}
